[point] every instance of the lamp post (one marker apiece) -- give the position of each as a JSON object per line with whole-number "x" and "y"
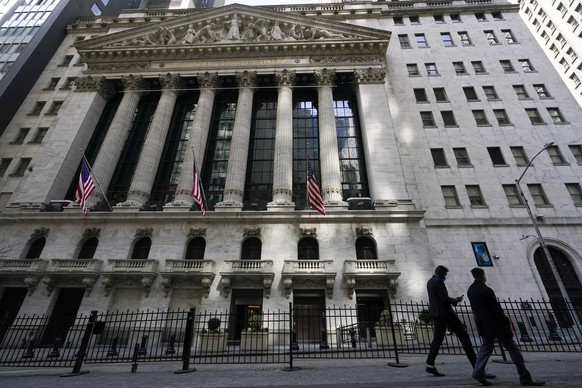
{"x": 539, "y": 237}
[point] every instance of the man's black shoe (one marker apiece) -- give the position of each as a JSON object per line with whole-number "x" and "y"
{"x": 532, "y": 383}
{"x": 433, "y": 371}
{"x": 481, "y": 378}
{"x": 489, "y": 375}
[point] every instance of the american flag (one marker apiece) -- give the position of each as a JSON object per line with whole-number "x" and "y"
{"x": 85, "y": 188}
{"x": 313, "y": 193}
{"x": 197, "y": 191}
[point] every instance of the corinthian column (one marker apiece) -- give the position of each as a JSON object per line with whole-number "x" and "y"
{"x": 149, "y": 158}
{"x": 283, "y": 163}
{"x": 209, "y": 82}
{"x": 329, "y": 156}
{"x": 239, "y": 146}
{"x": 117, "y": 133}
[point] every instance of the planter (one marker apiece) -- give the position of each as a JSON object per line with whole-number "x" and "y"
{"x": 384, "y": 335}
{"x": 211, "y": 342}
{"x": 254, "y": 340}
{"x": 424, "y": 334}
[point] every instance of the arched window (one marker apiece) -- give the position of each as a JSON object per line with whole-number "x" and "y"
{"x": 251, "y": 249}
{"x": 195, "y": 249}
{"x": 308, "y": 249}
{"x": 88, "y": 249}
{"x": 366, "y": 249}
{"x": 36, "y": 248}
{"x": 141, "y": 249}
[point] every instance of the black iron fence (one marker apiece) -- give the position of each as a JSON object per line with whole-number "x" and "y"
{"x": 302, "y": 331}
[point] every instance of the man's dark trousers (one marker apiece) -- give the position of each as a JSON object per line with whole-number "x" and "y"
{"x": 440, "y": 329}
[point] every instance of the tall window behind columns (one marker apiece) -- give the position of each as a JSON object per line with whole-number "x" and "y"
{"x": 259, "y": 176}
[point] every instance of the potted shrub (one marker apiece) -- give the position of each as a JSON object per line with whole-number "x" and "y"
{"x": 384, "y": 330}
{"x": 424, "y": 328}
{"x": 255, "y": 337}
{"x": 213, "y": 338}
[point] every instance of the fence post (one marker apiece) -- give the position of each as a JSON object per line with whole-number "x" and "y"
{"x": 397, "y": 363}
{"x": 290, "y": 368}
{"x": 187, "y": 344}
{"x": 84, "y": 344}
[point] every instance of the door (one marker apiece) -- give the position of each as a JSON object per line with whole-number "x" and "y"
{"x": 369, "y": 308}
{"x": 309, "y": 314}
{"x": 244, "y": 304}
{"x": 10, "y": 304}
{"x": 63, "y": 314}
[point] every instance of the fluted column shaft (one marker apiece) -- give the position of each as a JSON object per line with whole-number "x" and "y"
{"x": 149, "y": 158}
{"x": 239, "y": 147}
{"x": 283, "y": 163}
{"x": 117, "y": 133}
{"x": 329, "y": 155}
{"x": 198, "y": 138}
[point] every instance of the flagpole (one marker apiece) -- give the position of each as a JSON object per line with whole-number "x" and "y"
{"x": 95, "y": 179}
{"x": 200, "y": 181}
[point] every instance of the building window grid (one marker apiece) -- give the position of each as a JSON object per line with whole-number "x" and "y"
{"x": 480, "y": 117}
{"x": 534, "y": 116}
{"x": 470, "y": 93}
{"x": 447, "y": 39}
{"x": 22, "y": 166}
{"x": 40, "y": 135}
{"x": 490, "y": 36}
{"x": 431, "y": 69}
{"x": 459, "y": 68}
{"x": 440, "y": 94}
{"x": 450, "y": 196}
{"x": 465, "y": 39}
{"x": 519, "y": 155}
{"x": 38, "y": 106}
{"x": 512, "y": 195}
{"x": 420, "y": 95}
{"x": 496, "y": 156}
{"x": 575, "y": 192}
{"x": 538, "y": 195}
{"x": 490, "y": 92}
{"x": 448, "y": 118}
{"x": 541, "y": 91}
{"x": 412, "y": 69}
{"x": 556, "y": 156}
{"x": 4, "y": 163}
{"x": 404, "y": 41}
{"x": 478, "y": 67}
{"x": 22, "y": 133}
{"x": 427, "y": 119}
{"x": 55, "y": 107}
{"x": 576, "y": 150}
{"x": 508, "y": 36}
{"x": 475, "y": 195}
{"x": 421, "y": 40}
{"x": 526, "y": 65}
{"x": 556, "y": 115}
{"x": 506, "y": 66}
{"x": 462, "y": 157}
{"x": 501, "y": 116}
{"x": 521, "y": 92}
{"x": 439, "y": 158}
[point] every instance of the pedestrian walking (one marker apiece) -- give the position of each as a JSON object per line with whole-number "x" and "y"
{"x": 492, "y": 323}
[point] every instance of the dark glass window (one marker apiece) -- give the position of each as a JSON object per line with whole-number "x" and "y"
{"x": 36, "y": 248}
{"x": 496, "y": 155}
{"x": 251, "y": 249}
{"x": 141, "y": 249}
{"x": 365, "y": 249}
{"x": 308, "y": 249}
{"x": 195, "y": 249}
{"x": 88, "y": 249}
{"x": 438, "y": 157}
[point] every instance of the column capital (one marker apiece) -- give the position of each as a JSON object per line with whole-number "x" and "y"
{"x": 90, "y": 84}
{"x": 170, "y": 81}
{"x": 133, "y": 82}
{"x": 246, "y": 79}
{"x": 370, "y": 75}
{"x": 208, "y": 80}
{"x": 325, "y": 77}
{"x": 285, "y": 77}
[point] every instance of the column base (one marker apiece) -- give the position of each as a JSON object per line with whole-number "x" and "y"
{"x": 383, "y": 203}
{"x": 280, "y": 205}
{"x": 126, "y": 208}
{"x": 177, "y": 206}
{"x": 336, "y": 205}
{"x": 228, "y": 206}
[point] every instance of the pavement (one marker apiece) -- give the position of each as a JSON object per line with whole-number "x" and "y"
{"x": 563, "y": 370}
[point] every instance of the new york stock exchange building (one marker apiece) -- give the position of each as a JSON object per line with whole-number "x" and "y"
{"x": 406, "y": 112}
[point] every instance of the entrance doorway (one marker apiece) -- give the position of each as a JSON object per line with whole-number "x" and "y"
{"x": 370, "y": 305}
{"x": 244, "y": 304}
{"x": 10, "y": 304}
{"x": 309, "y": 314}
{"x": 63, "y": 314}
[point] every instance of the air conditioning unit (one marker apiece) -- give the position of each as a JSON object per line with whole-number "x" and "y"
{"x": 360, "y": 203}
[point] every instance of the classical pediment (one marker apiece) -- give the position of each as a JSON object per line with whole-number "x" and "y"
{"x": 235, "y": 31}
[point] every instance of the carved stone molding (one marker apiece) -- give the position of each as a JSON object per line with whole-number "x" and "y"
{"x": 371, "y": 76}
{"x": 116, "y": 66}
{"x": 206, "y": 282}
{"x": 329, "y": 283}
{"x": 170, "y": 81}
{"x": 285, "y": 77}
{"x": 147, "y": 281}
{"x": 288, "y": 283}
{"x": 225, "y": 282}
{"x": 363, "y": 231}
{"x": 246, "y": 79}
{"x": 88, "y": 283}
{"x": 40, "y": 232}
{"x": 49, "y": 284}
{"x": 132, "y": 82}
{"x": 351, "y": 285}
{"x": 308, "y": 232}
{"x": 145, "y": 232}
{"x": 90, "y": 84}
{"x": 251, "y": 232}
{"x": 166, "y": 283}
{"x": 31, "y": 283}
{"x": 347, "y": 59}
{"x": 209, "y": 80}
{"x": 325, "y": 77}
{"x": 108, "y": 283}
{"x": 197, "y": 232}
{"x": 267, "y": 284}
{"x": 91, "y": 232}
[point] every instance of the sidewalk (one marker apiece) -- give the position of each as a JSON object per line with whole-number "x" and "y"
{"x": 563, "y": 370}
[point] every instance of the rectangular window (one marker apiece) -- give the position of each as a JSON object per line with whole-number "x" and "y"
{"x": 521, "y": 92}
{"x": 480, "y": 118}
{"x": 501, "y": 116}
{"x": 68, "y": 83}
{"x": 40, "y": 134}
{"x": 431, "y": 69}
{"x": 497, "y": 15}
{"x": 464, "y": 37}
{"x": 512, "y": 195}
{"x": 575, "y": 192}
{"x": 440, "y": 94}
{"x": 459, "y": 68}
{"x": 412, "y": 69}
{"x": 4, "y": 163}
{"x": 439, "y": 18}
{"x": 538, "y": 195}
{"x": 37, "y": 108}
{"x": 508, "y": 36}
{"x": 541, "y": 91}
{"x": 526, "y": 65}
{"x": 398, "y": 21}
{"x": 496, "y": 156}
{"x": 21, "y": 136}
{"x": 22, "y": 166}
{"x": 490, "y": 92}
{"x": 438, "y": 157}
{"x": 448, "y": 118}
{"x": 506, "y": 66}
{"x": 414, "y": 20}
{"x": 480, "y": 16}
{"x": 427, "y": 119}
{"x": 519, "y": 155}
{"x": 556, "y": 115}
{"x": 490, "y": 36}
{"x": 475, "y": 195}
{"x": 470, "y": 93}
{"x": 420, "y": 95}
{"x": 447, "y": 39}
{"x": 404, "y": 41}
{"x": 455, "y": 17}
{"x": 534, "y": 116}
{"x": 478, "y": 67}
{"x": 577, "y": 152}
{"x": 421, "y": 40}
{"x": 462, "y": 157}
{"x": 67, "y": 60}
{"x": 556, "y": 155}
{"x": 52, "y": 83}
{"x": 55, "y": 107}
{"x": 450, "y": 196}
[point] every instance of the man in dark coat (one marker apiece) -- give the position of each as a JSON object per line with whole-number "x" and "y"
{"x": 492, "y": 323}
{"x": 441, "y": 310}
